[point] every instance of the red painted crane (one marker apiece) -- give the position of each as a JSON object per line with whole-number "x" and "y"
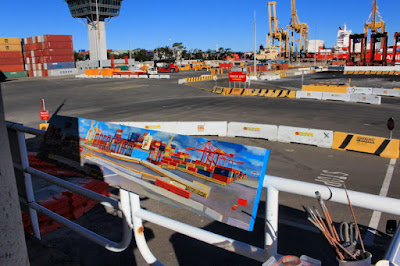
{"x": 211, "y": 155}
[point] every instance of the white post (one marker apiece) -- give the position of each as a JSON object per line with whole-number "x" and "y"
{"x": 13, "y": 249}
{"x": 271, "y": 222}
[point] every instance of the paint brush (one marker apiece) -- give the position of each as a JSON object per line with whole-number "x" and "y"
{"x": 328, "y": 218}
{"x": 355, "y": 222}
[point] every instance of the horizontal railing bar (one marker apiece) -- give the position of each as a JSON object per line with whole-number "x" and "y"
{"x": 359, "y": 199}
{"x": 25, "y": 129}
{"x": 203, "y": 235}
{"x": 98, "y": 239}
{"x": 74, "y": 188}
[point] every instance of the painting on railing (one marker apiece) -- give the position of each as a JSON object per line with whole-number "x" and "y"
{"x": 217, "y": 179}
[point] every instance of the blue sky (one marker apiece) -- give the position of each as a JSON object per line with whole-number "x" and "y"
{"x": 198, "y": 24}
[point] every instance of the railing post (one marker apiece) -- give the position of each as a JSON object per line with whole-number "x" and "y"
{"x": 271, "y": 222}
{"x": 28, "y": 183}
{"x": 130, "y": 203}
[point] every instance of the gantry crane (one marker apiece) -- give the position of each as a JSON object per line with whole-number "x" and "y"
{"x": 276, "y": 33}
{"x": 211, "y": 155}
{"x": 301, "y": 28}
{"x": 371, "y": 21}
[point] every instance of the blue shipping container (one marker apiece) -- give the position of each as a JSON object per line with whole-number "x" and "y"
{"x": 203, "y": 172}
{"x": 59, "y": 65}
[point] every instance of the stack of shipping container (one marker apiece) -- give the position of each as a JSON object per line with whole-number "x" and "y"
{"x": 49, "y": 55}
{"x": 11, "y": 58}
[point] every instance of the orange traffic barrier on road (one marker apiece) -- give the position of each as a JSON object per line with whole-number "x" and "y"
{"x": 226, "y": 91}
{"x": 236, "y": 91}
{"x": 388, "y": 148}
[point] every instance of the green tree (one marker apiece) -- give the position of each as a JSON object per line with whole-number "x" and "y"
{"x": 141, "y": 55}
{"x": 78, "y": 56}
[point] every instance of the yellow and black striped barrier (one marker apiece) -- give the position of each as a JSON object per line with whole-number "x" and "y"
{"x": 236, "y": 91}
{"x": 218, "y": 90}
{"x": 372, "y": 72}
{"x": 255, "y": 92}
{"x": 202, "y": 78}
{"x": 388, "y": 148}
{"x": 43, "y": 126}
{"x": 281, "y": 93}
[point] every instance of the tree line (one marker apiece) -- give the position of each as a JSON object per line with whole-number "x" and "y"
{"x": 176, "y": 52}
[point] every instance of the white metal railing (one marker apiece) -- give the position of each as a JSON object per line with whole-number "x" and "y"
{"x": 134, "y": 215}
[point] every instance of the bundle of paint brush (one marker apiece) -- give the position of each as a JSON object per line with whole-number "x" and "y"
{"x": 344, "y": 249}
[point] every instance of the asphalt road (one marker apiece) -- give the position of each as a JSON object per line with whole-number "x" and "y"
{"x": 165, "y": 100}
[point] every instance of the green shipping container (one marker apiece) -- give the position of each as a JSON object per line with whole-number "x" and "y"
{"x": 201, "y": 167}
{"x": 182, "y": 166}
{"x": 123, "y": 68}
{"x": 15, "y": 74}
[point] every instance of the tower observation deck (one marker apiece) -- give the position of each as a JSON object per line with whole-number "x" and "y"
{"x": 95, "y": 12}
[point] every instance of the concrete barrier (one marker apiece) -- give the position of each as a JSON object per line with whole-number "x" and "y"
{"x": 388, "y": 148}
{"x": 362, "y": 90}
{"x": 165, "y": 76}
{"x": 317, "y": 137}
{"x": 386, "y": 92}
{"x": 154, "y": 76}
{"x": 161, "y": 126}
{"x": 325, "y": 88}
{"x": 134, "y": 76}
{"x": 202, "y": 128}
{"x": 143, "y": 76}
{"x": 251, "y": 130}
{"x": 309, "y": 95}
{"x": 181, "y": 81}
{"x": 344, "y": 97}
{"x": 365, "y": 98}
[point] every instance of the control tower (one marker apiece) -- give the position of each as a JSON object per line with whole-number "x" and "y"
{"x": 95, "y": 12}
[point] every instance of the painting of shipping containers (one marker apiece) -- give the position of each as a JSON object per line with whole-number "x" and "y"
{"x": 220, "y": 180}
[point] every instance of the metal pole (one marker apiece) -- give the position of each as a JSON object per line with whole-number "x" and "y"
{"x": 132, "y": 201}
{"x": 255, "y": 47}
{"x": 28, "y": 183}
{"x": 271, "y": 222}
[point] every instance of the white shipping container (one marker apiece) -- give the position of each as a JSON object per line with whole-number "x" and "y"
{"x": 37, "y": 73}
{"x": 62, "y": 72}
{"x": 313, "y": 45}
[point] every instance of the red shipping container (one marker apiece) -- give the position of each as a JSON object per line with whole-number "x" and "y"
{"x": 56, "y": 52}
{"x": 57, "y": 45}
{"x": 10, "y": 68}
{"x": 221, "y": 178}
{"x": 55, "y": 58}
{"x": 174, "y": 189}
{"x": 11, "y": 61}
{"x": 57, "y": 38}
{"x": 16, "y": 54}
